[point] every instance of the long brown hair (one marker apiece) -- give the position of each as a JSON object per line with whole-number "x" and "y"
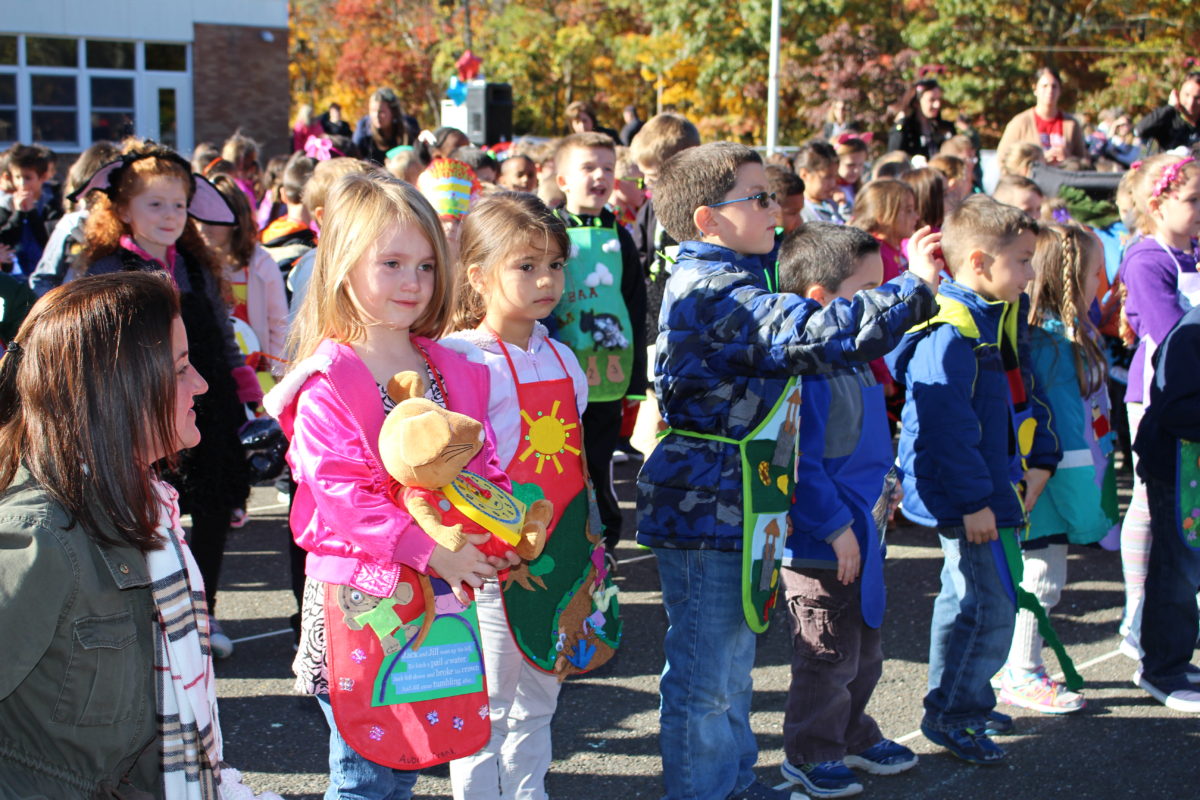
{"x": 86, "y": 393}
{"x": 105, "y": 227}
{"x": 245, "y": 230}
{"x": 1060, "y": 262}
{"x": 499, "y": 224}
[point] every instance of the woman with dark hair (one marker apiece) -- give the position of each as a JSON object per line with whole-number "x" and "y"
{"x": 95, "y": 388}
{"x": 385, "y": 126}
{"x": 1058, "y": 134}
{"x": 920, "y": 130}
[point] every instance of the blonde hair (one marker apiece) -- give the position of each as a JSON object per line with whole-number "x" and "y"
{"x": 1059, "y": 263}
{"x": 324, "y": 175}
{"x": 1019, "y": 159}
{"x": 878, "y": 205}
{"x": 498, "y": 225}
{"x": 1146, "y": 177}
{"x": 362, "y": 208}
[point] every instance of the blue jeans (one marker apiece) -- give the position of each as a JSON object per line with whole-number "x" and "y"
{"x": 1170, "y": 619}
{"x": 970, "y": 634}
{"x": 708, "y": 749}
{"x": 352, "y": 777}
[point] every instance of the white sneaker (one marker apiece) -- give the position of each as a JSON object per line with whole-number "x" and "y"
{"x": 220, "y": 644}
{"x": 1130, "y": 648}
{"x": 1186, "y": 700}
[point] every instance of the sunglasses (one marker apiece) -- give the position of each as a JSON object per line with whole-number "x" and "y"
{"x": 639, "y": 182}
{"x": 764, "y": 200}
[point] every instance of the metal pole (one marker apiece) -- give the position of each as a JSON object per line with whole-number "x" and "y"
{"x": 773, "y": 81}
{"x": 467, "y": 24}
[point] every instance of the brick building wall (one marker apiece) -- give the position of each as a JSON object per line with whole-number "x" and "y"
{"x": 241, "y": 80}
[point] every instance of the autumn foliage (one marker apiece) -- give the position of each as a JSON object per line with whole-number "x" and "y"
{"x": 709, "y": 59}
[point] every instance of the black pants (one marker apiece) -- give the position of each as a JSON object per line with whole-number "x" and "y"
{"x": 601, "y": 430}
{"x": 210, "y": 529}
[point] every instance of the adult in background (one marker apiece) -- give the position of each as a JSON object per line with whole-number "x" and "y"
{"x": 334, "y": 123}
{"x": 633, "y": 124}
{"x": 1058, "y": 133}
{"x": 581, "y": 117}
{"x": 1177, "y": 124}
{"x": 385, "y": 126}
{"x": 95, "y": 388}
{"x": 920, "y": 131}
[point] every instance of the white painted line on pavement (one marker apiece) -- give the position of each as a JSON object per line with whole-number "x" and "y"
{"x": 1058, "y": 677}
{"x": 262, "y": 635}
{"x": 634, "y": 559}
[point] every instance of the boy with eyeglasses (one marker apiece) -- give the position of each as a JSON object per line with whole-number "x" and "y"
{"x": 729, "y": 352}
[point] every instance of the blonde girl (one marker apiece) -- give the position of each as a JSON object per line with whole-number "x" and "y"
{"x": 380, "y": 292}
{"x": 510, "y": 276}
{"x": 1161, "y": 282}
{"x": 1078, "y": 505}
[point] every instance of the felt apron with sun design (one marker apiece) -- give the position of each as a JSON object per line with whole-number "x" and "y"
{"x": 1187, "y": 475}
{"x": 768, "y": 457}
{"x": 561, "y": 606}
{"x": 592, "y": 317}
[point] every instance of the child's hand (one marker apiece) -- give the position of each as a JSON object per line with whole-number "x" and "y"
{"x": 894, "y": 501}
{"x": 467, "y": 565}
{"x": 1035, "y": 482}
{"x": 24, "y": 199}
{"x": 845, "y": 547}
{"x": 925, "y": 256}
{"x": 981, "y": 526}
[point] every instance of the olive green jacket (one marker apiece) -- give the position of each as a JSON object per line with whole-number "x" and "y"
{"x": 77, "y": 690}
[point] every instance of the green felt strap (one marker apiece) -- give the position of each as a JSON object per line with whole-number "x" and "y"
{"x": 1027, "y": 601}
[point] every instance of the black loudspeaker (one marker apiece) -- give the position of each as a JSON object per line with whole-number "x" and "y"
{"x": 489, "y": 113}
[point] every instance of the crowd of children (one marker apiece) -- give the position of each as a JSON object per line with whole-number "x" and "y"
{"x": 770, "y": 324}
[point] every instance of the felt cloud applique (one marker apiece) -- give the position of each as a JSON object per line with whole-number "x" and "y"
{"x": 600, "y": 275}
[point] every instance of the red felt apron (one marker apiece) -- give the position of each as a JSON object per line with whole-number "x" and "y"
{"x": 407, "y": 688}
{"x": 561, "y": 607}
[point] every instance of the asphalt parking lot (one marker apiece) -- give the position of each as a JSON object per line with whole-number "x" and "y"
{"x": 605, "y": 733}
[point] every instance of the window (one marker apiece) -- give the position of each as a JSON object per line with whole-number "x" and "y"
{"x": 71, "y": 92}
{"x": 55, "y": 108}
{"x": 112, "y": 108}
{"x": 8, "y": 107}
{"x": 111, "y": 55}
{"x": 42, "y": 51}
{"x": 166, "y": 57}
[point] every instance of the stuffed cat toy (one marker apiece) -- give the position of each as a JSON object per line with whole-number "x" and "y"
{"x": 426, "y": 449}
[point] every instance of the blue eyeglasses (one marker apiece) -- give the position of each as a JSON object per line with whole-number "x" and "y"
{"x": 764, "y": 200}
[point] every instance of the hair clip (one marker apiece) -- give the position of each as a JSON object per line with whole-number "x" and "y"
{"x": 320, "y": 148}
{"x": 13, "y": 348}
{"x": 1169, "y": 175}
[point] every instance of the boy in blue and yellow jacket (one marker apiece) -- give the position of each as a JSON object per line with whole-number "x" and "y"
{"x": 973, "y": 435}
{"x": 833, "y": 555}
{"x": 729, "y": 350}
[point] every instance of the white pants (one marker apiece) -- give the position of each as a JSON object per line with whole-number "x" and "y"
{"x": 514, "y": 762}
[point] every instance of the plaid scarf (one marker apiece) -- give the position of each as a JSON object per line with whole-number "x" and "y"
{"x": 187, "y": 695}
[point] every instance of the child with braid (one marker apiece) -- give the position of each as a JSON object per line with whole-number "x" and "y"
{"x": 1078, "y": 505}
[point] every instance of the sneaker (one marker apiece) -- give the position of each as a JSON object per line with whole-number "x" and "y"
{"x": 969, "y": 744}
{"x": 619, "y": 457}
{"x": 220, "y": 644}
{"x": 1192, "y": 673}
{"x": 1036, "y": 690}
{"x": 238, "y": 518}
{"x": 1130, "y": 648}
{"x": 823, "y": 779}
{"x": 759, "y": 791}
{"x": 998, "y": 724}
{"x": 885, "y": 757}
{"x": 1187, "y": 700}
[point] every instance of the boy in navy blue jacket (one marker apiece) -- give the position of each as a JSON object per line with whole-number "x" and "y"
{"x": 729, "y": 351}
{"x": 974, "y": 435}
{"x": 833, "y": 556}
{"x": 1167, "y": 460}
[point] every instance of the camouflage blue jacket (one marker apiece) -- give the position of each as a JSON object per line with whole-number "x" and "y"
{"x": 726, "y": 349}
